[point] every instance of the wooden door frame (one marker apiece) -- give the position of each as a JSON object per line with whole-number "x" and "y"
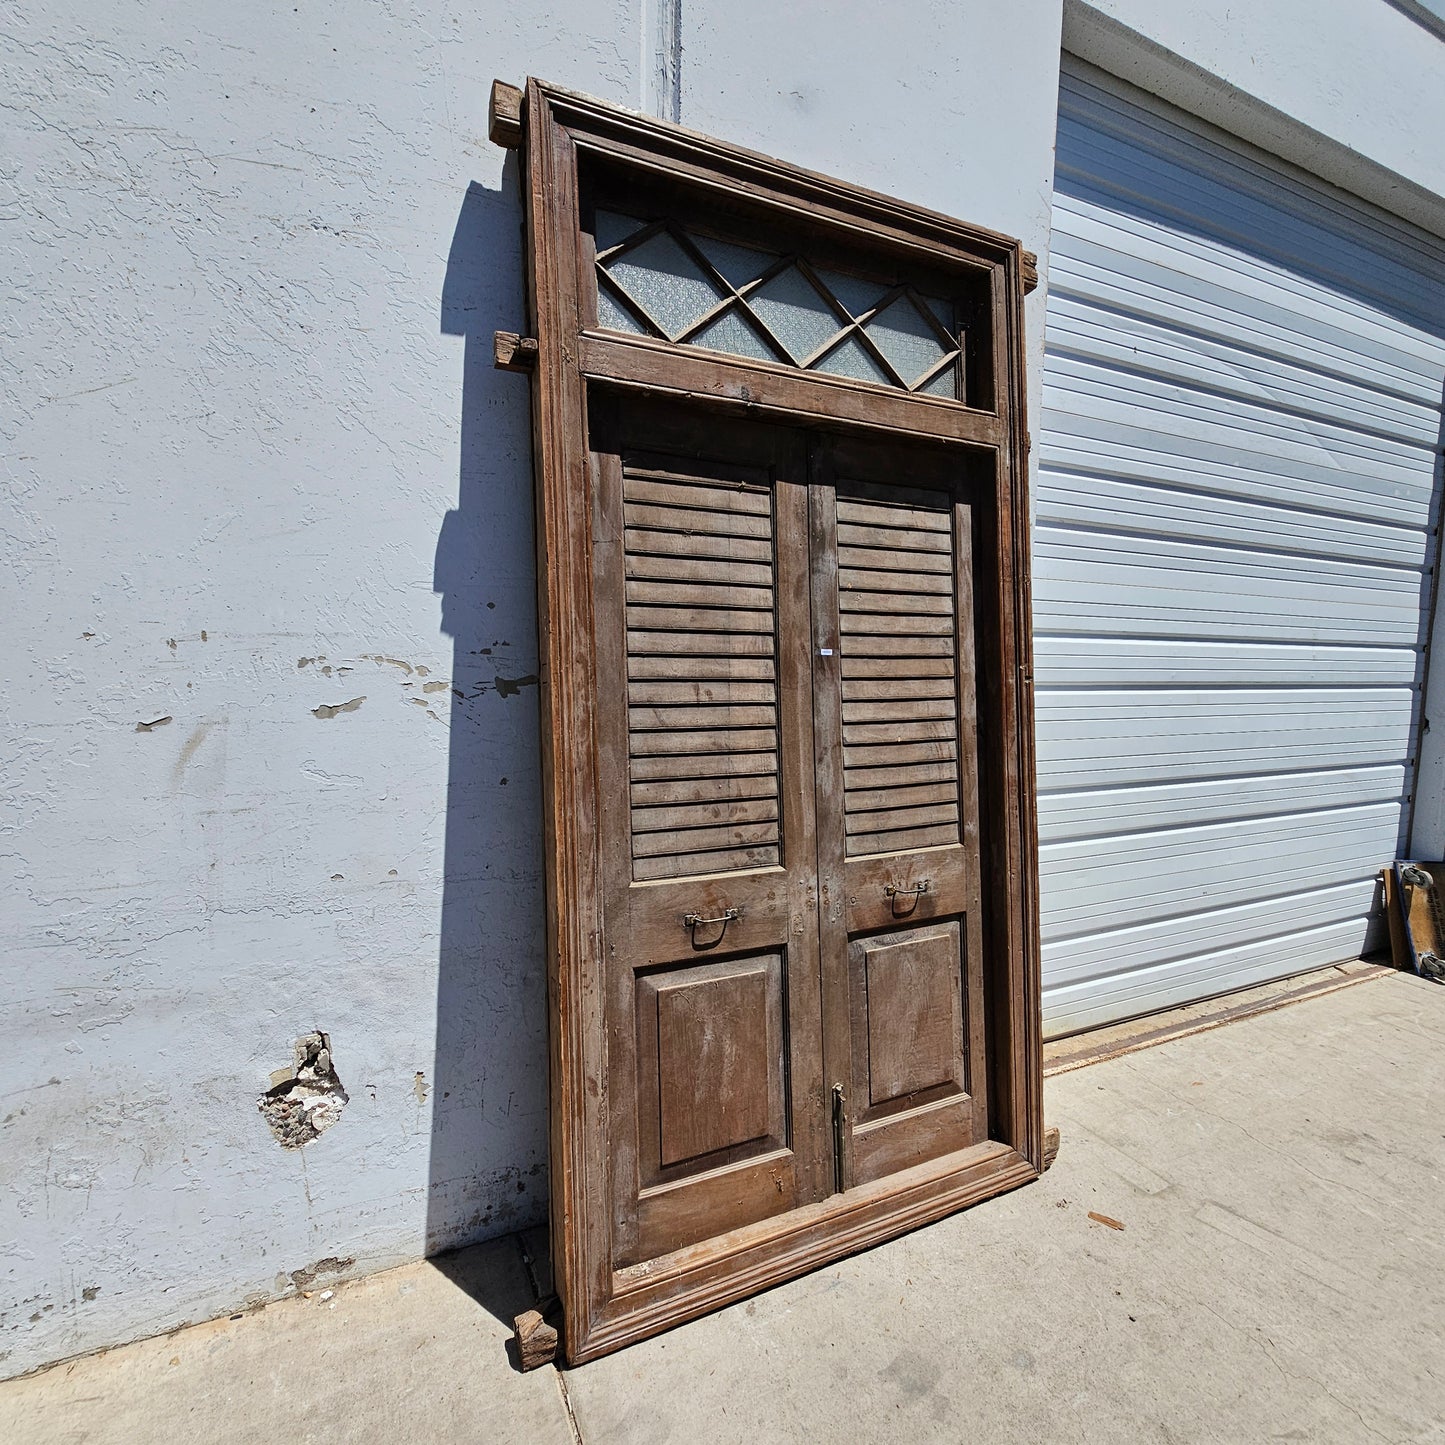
{"x": 556, "y": 131}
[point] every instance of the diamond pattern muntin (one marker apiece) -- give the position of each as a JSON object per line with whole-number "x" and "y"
{"x": 730, "y": 333}
{"x": 857, "y": 295}
{"x": 943, "y": 310}
{"x": 944, "y": 384}
{"x": 670, "y": 286}
{"x": 852, "y": 358}
{"x": 611, "y": 229}
{"x": 792, "y": 308}
{"x": 737, "y": 265}
{"x": 771, "y": 308}
{"x": 906, "y": 338}
{"x": 612, "y": 313}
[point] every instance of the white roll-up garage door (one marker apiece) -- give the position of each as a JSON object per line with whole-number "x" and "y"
{"x": 1233, "y": 561}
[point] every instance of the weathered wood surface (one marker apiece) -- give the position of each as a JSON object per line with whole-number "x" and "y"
{"x": 1399, "y": 944}
{"x": 535, "y": 1339}
{"x": 504, "y": 115}
{"x": 511, "y": 352}
{"x": 693, "y": 766}
{"x": 1051, "y": 1145}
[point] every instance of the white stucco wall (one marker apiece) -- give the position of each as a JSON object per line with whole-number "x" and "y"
{"x": 258, "y": 466}
{"x": 253, "y": 259}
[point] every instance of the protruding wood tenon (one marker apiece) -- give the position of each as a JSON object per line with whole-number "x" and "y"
{"x": 1030, "y": 261}
{"x": 504, "y": 115}
{"x": 511, "y": 352}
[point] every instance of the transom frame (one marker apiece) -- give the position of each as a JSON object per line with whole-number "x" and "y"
{"x": 848, "y": 322}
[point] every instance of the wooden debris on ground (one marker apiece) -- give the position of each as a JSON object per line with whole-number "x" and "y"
{"x": 1051, "y": 1144}
{"x": 536, "y": 1340}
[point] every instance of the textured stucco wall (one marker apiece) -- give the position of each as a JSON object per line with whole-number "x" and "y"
{"x": 257, "y": 463}
{"x": 258, "y": 466}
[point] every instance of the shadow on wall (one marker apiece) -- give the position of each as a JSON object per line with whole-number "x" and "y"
{"x": 488, "y": 1169}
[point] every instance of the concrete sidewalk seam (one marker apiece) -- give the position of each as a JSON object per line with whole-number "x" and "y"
{"x": 567, "y": 1404}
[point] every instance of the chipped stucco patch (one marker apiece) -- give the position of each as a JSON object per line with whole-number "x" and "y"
{"x": 305, "y": 1101}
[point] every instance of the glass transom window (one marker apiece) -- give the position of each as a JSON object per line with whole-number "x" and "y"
{"x": 656, "y": 279}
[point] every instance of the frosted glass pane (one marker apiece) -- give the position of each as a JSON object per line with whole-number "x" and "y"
{"x": 666, "y": 280}
{"x": 850, "y": 359}
{"x": 611, "y": 313}
{"x": 856, "y": 294}
{"x": 906, "y": 339}
{"x": 791, "y": 308}
{"x": 946, "y": 318}
{"x": 944, "y": 384}
{"x": 737, "y": 265}
{"x": 731, "y": 333}
{"x": 611, "y": 229}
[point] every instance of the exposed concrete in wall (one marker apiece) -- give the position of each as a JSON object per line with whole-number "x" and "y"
{"x": 305, "y": 1101}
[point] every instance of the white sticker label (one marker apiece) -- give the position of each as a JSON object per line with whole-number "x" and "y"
{"x": 825, "y": 652}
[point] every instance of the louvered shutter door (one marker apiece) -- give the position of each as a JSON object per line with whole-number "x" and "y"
{"x": 702, "y": 706}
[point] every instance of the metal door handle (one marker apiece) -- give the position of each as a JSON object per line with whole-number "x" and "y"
{"x": 896, "y": 890}
{"x": 692, "y": 920}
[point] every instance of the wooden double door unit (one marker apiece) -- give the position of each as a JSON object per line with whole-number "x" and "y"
{"x": 787, "y": 730}
{"x": 789, "y": 819}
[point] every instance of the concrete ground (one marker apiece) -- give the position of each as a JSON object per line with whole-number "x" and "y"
{"x": 1280, "y": 1276}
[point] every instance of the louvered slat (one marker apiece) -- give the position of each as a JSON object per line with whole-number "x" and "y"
{"x": 702, "y": 706}
{"x": 896, "y": 607}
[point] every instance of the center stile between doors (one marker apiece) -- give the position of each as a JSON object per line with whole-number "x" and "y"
{"x": 787, "y": 725}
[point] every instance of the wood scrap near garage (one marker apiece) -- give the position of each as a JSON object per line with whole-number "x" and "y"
{"x": 1415, "y": 904}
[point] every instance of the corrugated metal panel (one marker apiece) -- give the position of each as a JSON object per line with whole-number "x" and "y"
{"x": 1233, "y": 552}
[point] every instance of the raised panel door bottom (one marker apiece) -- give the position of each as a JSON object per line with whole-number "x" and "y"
{"x": 910, "y": 1099}
{"x": 712, "y": 1101}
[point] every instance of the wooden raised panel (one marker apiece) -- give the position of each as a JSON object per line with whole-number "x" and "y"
{"x": 911, "y": 997}
{"x": 786, "y": 722}
{"x": 710, "y": 1041}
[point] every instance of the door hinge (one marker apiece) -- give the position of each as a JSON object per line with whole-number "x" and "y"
{"x": 839, "y": 1106}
